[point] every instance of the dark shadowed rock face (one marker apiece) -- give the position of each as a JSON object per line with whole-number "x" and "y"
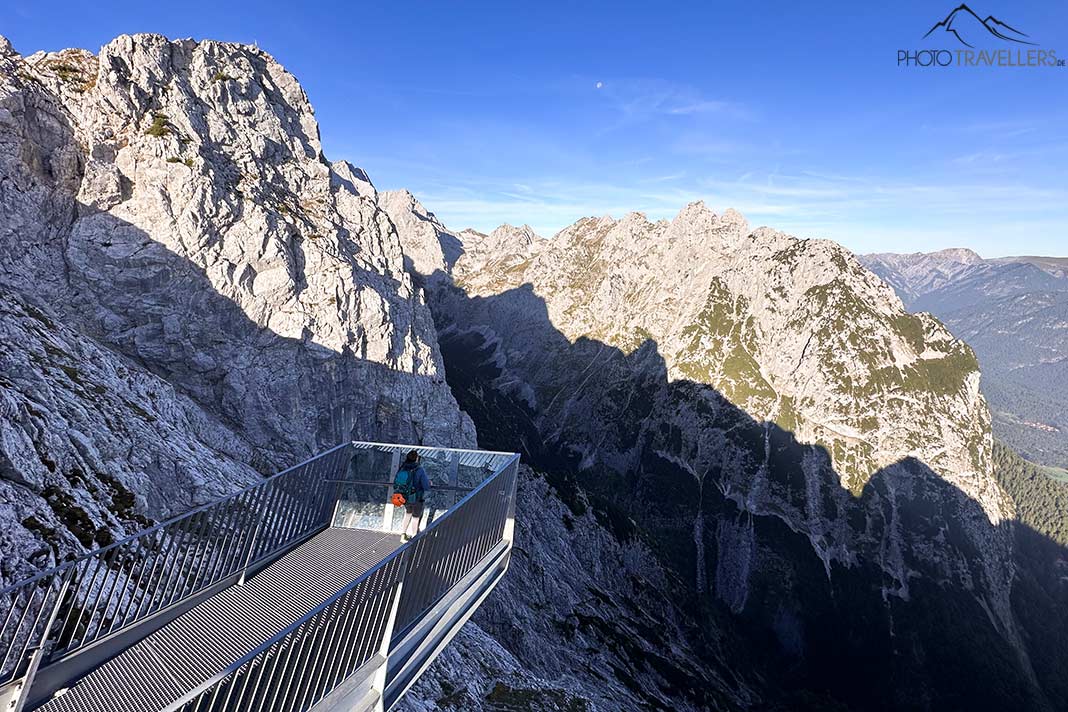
{"x": 762, "y": 412}
{"x": 585, "y": 620}
{"x": 90, "y": 443}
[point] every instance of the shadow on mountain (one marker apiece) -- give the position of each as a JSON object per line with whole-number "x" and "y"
{"x": 903, "y": 598}
{"x": 896, "y": 599}
{"x": 131, "y": 293}
{"x": 288, "y": 395}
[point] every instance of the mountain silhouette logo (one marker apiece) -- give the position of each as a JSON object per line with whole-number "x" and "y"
{"x": 965, "y": 25}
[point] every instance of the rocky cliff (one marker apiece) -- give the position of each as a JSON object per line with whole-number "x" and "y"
{"x": 191, "y": 295}
{"x": 91, "y": 444}
{"x": 587, "y": 621}
{"x": 783, "y": 434}
{"x": 1013, "y": 312}
{"x": 794, "y": 332}
{"x": 192, "y": 291}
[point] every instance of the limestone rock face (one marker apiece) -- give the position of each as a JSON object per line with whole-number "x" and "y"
{"x": 170, "y": 203}
{"x": 789, "y": 439}
{"x": 794, "y": 332}
{"x": 505, "y": 242}
{"x": 434, "y": 250}
{"x": 584, "y": 620}
{"x": 1013, "y": 312}
{"x": 172, "y": 197}
{"x": 90, "y": 443}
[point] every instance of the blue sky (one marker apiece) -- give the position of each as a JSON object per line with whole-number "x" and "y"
{"x": 794, "y": 113}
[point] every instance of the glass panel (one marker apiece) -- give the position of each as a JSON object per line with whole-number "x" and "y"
{"x": 441, "y": 501}
{"x": 437, "y": 465}
{"x": 471, "y": 476}
{"x": 361, "y": 506}
{"x": 371, "y": 464}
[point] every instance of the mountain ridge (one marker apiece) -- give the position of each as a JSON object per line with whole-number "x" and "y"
{"x": 1010, "y": 310}
{"x": 612, "y": 351}
{"x": 192, "y": 296}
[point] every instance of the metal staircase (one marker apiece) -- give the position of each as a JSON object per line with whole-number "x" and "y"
{"x": 292, "y": 594}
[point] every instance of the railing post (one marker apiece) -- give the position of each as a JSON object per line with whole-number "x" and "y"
{"x": 39, "y": 652}
{"x": 350, "y": 473}
{"x": 454, "y": 481}
{"x": 337, "y": 505}
{"x": 387, "y": 511}
{"x": 454, "y": 470}
{"x": 379, "y": 682}
{"x": 509, "y": 522}
{"x": 254, "y": 538}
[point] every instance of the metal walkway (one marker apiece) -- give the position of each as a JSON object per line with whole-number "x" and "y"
{"x": 187, "y": 652}
{"x": 294, "y": 594}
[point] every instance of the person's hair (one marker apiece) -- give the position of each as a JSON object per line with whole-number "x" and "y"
{"x": 413, "y": 456}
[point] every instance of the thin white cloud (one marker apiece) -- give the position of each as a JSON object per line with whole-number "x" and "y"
{"x": 702, "y": 107}
{"x": 641, "y": 100}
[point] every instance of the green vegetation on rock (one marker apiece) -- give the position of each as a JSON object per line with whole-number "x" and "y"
{"x": 719, "y": 350}
{"x": 159, "y": 127}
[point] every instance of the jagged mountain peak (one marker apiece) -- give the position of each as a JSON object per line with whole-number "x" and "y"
{"x": 736, "y": 390}
{"x": 404, "y": 196}
{"x": 694, "y": 211}
{"x": 404, "y": 199}
{"x": 698, "y": 215}
{"x": 522, "y": 235}
{"x": 171, "y": 201}
{"x": 812, "y": 328}
{"x": 437, "y": 248}
{"x": 352, "y": 178}
{"x": 963, "y": 255}
{"x": 948, "y": 256}
{"x": 933, "y": 280}
{"x": 690, "y": 229}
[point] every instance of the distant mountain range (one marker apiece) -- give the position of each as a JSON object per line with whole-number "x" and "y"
{"x": 1014, "y": 312}
{"x": 965, "y": 25}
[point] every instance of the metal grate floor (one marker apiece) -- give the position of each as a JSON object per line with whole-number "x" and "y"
{"x": 159, "y": 669}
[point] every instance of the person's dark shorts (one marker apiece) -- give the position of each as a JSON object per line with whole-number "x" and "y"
{"x": 415, "y": 509}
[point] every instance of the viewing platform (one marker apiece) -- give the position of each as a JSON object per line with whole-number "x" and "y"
{"x": 296, "y": 593}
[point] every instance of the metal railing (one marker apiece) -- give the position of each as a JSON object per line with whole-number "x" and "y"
{"x": 302, "y": 664}
{"x": 101, "y": 593}
{"x": 363, "y": 499}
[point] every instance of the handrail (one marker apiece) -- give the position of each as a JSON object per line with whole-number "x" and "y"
{"x": 401, "y": 446}
{"x": 454, "y": 543}
{"x": 389, "y": 483}
{"x": 485, "y": 529}
{"x": 109, "y": 589}
{"x": 96, "y": 552}
{"x": 155, "y": 527}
